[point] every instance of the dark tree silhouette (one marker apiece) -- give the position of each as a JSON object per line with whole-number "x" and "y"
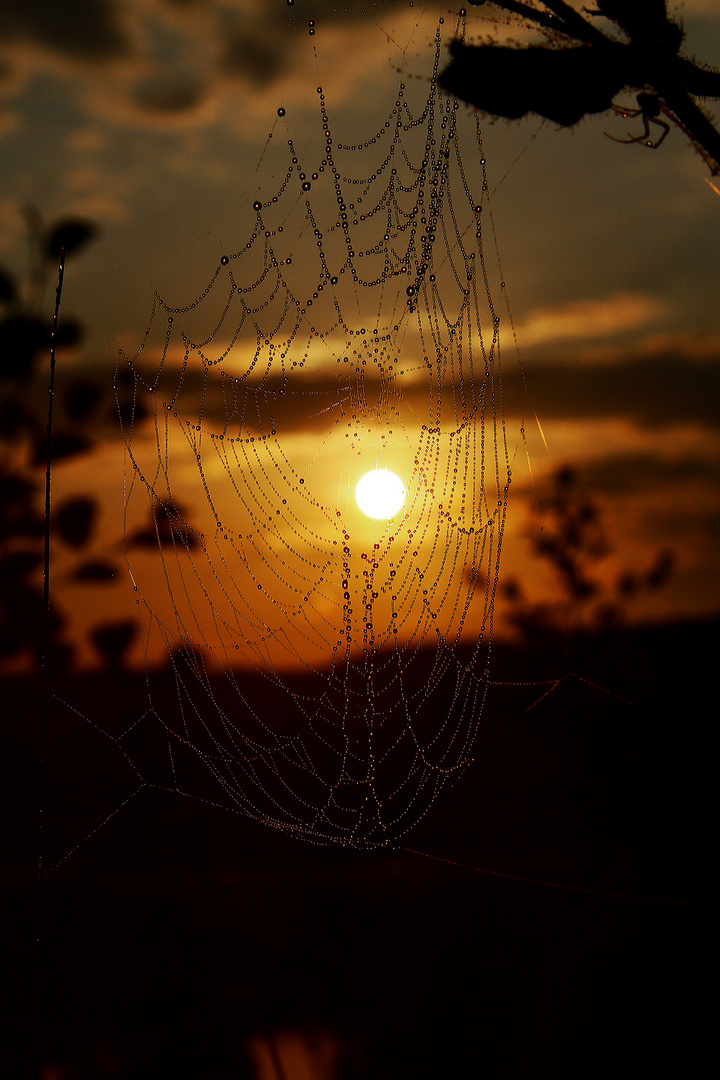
{"x": 25, "y": 343}
{"x": 567, "y": 531}
{"x": 75, "y": 520}
{"x": 166, "y": 525}
{"x": 582, "y": 70}
{"x": 112, "y": 640}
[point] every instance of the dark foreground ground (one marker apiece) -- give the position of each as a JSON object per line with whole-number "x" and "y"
{"x": 179, "y": 941}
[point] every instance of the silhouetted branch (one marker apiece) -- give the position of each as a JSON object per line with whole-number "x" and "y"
{"x": 566, "y": 83}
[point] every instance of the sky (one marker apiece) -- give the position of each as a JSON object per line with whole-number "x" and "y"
{"x": 164, "y": 122}
{"x": 158, "y": 120}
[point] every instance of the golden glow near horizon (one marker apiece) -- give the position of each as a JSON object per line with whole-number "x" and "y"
{"x": 380, "y": 494}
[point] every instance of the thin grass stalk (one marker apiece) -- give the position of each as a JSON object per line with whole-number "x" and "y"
{"x": 41, "y": 1010}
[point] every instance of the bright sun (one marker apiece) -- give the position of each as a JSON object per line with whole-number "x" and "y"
{"x": 380, "y": 494}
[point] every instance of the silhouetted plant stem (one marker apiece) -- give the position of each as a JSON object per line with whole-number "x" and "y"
{"x": 48, "y": 473}
{"x": 568, "y": 21}
{"x": 693, "y": 121}
{"x": 542, "y": 18}
{"x": 41, "y": 1011}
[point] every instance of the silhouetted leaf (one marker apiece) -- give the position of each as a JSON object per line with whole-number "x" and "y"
{"x": 166, "y": 526}
{"x": 15, "y": 568}
{"x": 71, "y": 234}
{"x": 131, "y": 412}
{"x": 65, "y": 444}
{"x": 69, "y": 332}
{"x": 15, "y": 418}
{"x": 628, "y": 585}
{"x": 146, "y": 537}
{"x": 23, "y": 622}
{"x": 7, "y": 287}
{"x": 661, "y": 570}
{"x": 75, "y": 520}
{"x": 26, "y": 523}
{"x": 22, "y": 338}
{"x": 112, "y": 640}
{"x": 81, "y": 397}
{"x": 96, "y": 571}
{"x": 16, "y": 493}
{"x": 19, "y": 516}
{"x": 563, "y": 85}
{"x": 512, "y": 590}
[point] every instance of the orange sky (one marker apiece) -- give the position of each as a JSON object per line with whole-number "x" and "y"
{"x": 162, "y": 123}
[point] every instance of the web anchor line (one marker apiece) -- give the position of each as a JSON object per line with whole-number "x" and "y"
{"x": 608, "y": 894}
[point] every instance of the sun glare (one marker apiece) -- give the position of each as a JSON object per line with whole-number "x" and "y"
{"x": 380, "y": 494}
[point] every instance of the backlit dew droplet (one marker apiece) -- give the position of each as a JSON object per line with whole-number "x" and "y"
{"x": 281, "y": 112}
{"x": 257, "y": 206}
{"x": 224, "y": 260}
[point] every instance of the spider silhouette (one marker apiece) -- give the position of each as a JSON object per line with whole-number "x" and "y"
{"x": 589, "y": 69}
{"x": 649, "y": 108}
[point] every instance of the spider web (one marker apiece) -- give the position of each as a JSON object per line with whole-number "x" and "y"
{"x": 330, "y": 669}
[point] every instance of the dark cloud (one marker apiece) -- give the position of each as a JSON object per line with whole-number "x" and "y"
{"x": 627, "y": 474}
{"x": 259, "y": 50}
{"x": 651, "y": 392}
{"x": 257, "y": 59}
{"x": 169, "y": 93}
{"x": 82, "y": 29}
{"x": 257, "y": 43}
{"x": 262, "y": 49}
{"x": 331, "y": 10}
